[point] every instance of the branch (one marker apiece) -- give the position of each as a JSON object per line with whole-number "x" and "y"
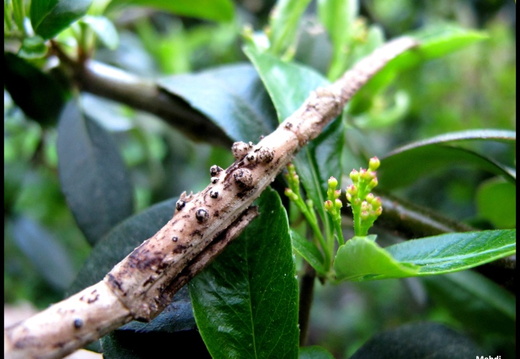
{"x": 139, "y": 287}
{"x": 115, "y": 84}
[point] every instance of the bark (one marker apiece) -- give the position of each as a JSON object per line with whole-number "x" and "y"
{"x": 142, "y": 284}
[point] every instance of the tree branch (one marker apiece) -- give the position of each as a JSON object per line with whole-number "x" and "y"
{"x": 138, "y": 287}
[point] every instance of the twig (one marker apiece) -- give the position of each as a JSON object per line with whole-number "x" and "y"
{"x": 135, "y": 288}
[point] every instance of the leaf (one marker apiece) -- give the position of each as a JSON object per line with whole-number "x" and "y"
{"x": 231, "y": 96}
{"x": 362, "y": 259}
{"x": 423, "y": 340}
{"x": 216, "y": 10}
{"x": 338, "y": 17}
{"x": 496, "y": 202}
{"x": 435, "y": 41}
{"x": 308, "y": 251}
{"x": 314, "y": 352}
{"x": 94, "y": 179}
{"x": 246, "y": 302}
{"x": 407, "y": 164}
{"x": 476, "y": 301}
{"x": 36, "y": 93}
{"x": 455, "y": 251}
{"x": 289, "y": 85}
{"x": 284, "y": 22}
{"x": 48, "y": 256}
{"x": 104, "y": 29}
{"x": 50, "y": 17}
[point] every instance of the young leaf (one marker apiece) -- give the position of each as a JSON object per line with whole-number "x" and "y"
{"x": 231, "y": 96}
{"x": 435, "y": 41}
{"x": 216, "y": 10}
{"x": 308, "y": 251}
{"x": 285, "y": 19}
{"x": 455, "y": 251}
{"x": 362, "y": 258}
{"x": 245, "y": 303}
{"x": 94, "y": 179}
{"x": 104, "y": 29}
{"x": 50, "y": 17}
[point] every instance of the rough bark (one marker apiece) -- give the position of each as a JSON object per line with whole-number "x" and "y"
{"x": 140, "y": 286}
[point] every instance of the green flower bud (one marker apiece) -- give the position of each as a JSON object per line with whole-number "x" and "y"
{"x": 373, "y": 164}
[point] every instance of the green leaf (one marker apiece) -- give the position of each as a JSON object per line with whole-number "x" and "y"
{"x": 407, "y": 164}
{"x": 309, "y": 251}
{"x": 289, "y": 85}
{"x": 455, "y": 251}
{"x": 338, "y": 17}
{"x": 496, "y": 202}
{"x": 246, "y": 302}
{"x": 362, "y": 259}
{"x": 104, "y": 29}
{"x": 284, "y": 23}
{"x": 93, "y": 176}
{"x": 48, "y": 256}
{"x": 475, "y": 301}
{"x": 231, "y": 96}
{"x": 50, "y": 17}
{"x": 39, "y": 96}
{"x": 33, "y": 48}
{"x": 435, "y": 41}
{"x": 216, "y": 10}
{"x": 314, "y": 352}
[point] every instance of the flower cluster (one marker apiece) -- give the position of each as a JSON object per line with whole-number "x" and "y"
{"x": 365, "y": 206}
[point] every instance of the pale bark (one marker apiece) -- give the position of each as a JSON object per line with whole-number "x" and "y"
{"x": 142, "y": 284}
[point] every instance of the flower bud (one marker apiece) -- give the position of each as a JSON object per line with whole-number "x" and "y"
{"x": 374, "y": 163}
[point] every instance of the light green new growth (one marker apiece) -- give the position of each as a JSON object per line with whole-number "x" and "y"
{"x": 365, "y": 206}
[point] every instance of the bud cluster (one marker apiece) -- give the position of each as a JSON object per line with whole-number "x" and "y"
{"x": 366, "y": 208}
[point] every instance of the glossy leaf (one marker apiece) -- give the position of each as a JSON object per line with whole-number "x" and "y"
{"x": 231, "y": 96}
{"x": 289, "y": 85}
{"x": 39, "y": 95}
{"x": 216, "y": 10}
{"x": 48, "y": 256}
{"x": 455, "y": 251}
{"x": 93, "y": 177}
{"x": 50, "y": 17}
{"x": 362, "y": 259}
{"x": 409, "y": 163}
{"x": 245, "y": 303}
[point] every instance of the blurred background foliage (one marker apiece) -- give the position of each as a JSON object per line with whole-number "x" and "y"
{"x": 470, "y": 89}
